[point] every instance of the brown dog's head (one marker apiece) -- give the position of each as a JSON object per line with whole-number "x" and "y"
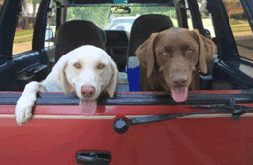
{"x": 176, "y": 52}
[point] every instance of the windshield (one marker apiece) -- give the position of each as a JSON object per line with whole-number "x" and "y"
{"x": 123, "y": 23}
{"x": 102, "y": 17}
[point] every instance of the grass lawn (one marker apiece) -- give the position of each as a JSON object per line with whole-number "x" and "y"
{"x": 235, "y": 22}
{"x": 240, "y": 28}
{"x": 23, "y": 36}
{"x": 23, "y": 39}
{"x": 27, "y": 35}
{"x": 23, "y": 32}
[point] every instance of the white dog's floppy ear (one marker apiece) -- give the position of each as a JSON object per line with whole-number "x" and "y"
{"x": 112, "y": 85}
{"x": 59, "y": 70}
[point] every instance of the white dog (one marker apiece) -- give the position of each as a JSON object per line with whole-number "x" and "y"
{"x": 86, "y": 70}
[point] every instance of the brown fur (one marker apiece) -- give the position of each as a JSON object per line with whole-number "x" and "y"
{"x": 167, "y": 62}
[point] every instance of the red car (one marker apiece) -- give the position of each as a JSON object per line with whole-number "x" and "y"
{"x": 213, "y": 126}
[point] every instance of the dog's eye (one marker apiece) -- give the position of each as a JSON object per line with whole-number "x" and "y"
{"x": 77, "y": 65}
{"x": 101, "y": 66}
{"x": 189, "y": 50}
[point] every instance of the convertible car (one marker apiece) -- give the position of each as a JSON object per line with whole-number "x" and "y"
{"x": 213, "y": 126}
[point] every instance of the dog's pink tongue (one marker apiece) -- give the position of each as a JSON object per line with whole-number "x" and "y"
{"x": 179, "y": 95}
{"x": 88, "y": 107}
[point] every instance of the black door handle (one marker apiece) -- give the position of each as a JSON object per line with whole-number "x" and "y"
{"x": 93, "y": 157}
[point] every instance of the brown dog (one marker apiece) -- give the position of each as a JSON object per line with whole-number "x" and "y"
{"x": 170, "y": 61}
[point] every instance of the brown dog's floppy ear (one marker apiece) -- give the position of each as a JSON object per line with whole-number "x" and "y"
{"x": 59, "y": 71}
{"x": 207, "y": 49}
{"x": 115, "y": 78}
{"x": 145, "y": 54}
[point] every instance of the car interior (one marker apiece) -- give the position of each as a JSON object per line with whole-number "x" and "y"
{"x": 116, "y": 44}
{"x": 36, "y": 64}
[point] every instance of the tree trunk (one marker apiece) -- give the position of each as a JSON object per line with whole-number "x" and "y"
{"x": 24, "y": 15}
{"x": 34, "y": 8}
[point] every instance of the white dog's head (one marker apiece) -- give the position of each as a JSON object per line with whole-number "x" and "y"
{"x": 87, "y": 70}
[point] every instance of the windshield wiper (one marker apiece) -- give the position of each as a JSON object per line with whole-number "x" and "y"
{"x": 121, "y": 125}
{"x": 231, "y": 107}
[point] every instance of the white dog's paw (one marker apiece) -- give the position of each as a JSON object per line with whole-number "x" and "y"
{"x": 23, "y": 110}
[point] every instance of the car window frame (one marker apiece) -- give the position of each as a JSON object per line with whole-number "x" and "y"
{"x": 8, "y": 28}
{"x": 226, "y": 47}
{"x": 40, "y": 25}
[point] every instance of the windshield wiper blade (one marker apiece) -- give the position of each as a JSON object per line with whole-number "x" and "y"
{"x": 121, "y": 125}
{"x": 231, "y": 107}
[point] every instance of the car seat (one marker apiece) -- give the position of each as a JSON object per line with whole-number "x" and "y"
{"x": 141, "y": 29}
{"x": 73, "y": 34}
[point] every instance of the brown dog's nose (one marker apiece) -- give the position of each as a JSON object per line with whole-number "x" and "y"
{"x": 87, "y": 91}
{"x": 179, "y": 82}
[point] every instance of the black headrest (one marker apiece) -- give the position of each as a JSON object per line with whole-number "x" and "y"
{"x": 103, "y": 34}
{"x": 73, "y": 34}
{"x": 144, "y": 26}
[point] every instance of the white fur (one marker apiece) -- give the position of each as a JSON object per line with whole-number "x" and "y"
{"x": 65, "y": 77}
